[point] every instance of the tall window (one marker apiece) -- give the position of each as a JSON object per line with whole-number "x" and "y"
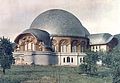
{"x": 63, "y": 46}
{"x": 68, "y": 59}
{"x": 82, "y": 48}
{"x": 29, "y": 46}
{"x": 54, "y": 45}
{"x": 25, "y": 46}
{"x": 33, "y": 46}
{"x": 26, "y": 43}
{"x": 64, "y": 60}
{"x": 55, "y": 48}
{"x": 74, "y": 46}
{"x": 83, "y": 45}
{"x": 72, "y": 60}
{"x": 80, "y": 60}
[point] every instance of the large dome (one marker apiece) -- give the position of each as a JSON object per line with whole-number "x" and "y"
{"x": 59, "y": 22}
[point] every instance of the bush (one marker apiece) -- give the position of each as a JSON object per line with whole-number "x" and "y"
{"x": 83, "y": 69}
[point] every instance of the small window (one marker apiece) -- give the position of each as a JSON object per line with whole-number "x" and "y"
{"x": 80, "y": 60}
{"x": 83, "y": 59}
{"x": 64, "y": 60}
{"x": 72, "y": 60}
{"x": 96, "y": 47}
{"x": 68, "y": 59}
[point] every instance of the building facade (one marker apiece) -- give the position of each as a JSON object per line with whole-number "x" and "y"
{"x": 57, "y": 37}
{"x": 102, "y": 42}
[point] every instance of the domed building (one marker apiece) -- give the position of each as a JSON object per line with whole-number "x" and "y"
{"x": 55, "y": 37}
{"x": 34, "y": 47}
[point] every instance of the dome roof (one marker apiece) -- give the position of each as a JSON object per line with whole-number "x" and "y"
{"x": 39, "y": 34}
{"x": 59, "y": 22}
{"x": 100, "y": 38}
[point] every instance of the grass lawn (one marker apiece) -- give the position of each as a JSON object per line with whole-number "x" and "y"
{"x": 48, "y": 74}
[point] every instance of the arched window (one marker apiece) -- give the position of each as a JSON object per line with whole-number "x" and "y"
{"x": 26, "y": 42}
{"x": 63, "y": 45}
{"x": 63, "y": 48}
{"x": 68, "y": 59}
{"x": 74, "y": 46}
{"x": 83, "y": 45}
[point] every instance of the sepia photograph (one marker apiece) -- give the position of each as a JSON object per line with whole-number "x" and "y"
{"x": 59, "y": 41}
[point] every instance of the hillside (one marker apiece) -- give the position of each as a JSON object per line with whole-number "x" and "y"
{"x": 50, "y": 74}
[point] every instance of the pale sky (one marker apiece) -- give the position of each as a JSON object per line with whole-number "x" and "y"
{"x": 98, "y": 16}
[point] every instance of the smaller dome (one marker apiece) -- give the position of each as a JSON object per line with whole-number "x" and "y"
{"x": 39, "y": 34}
{"x": 100, "y": 38}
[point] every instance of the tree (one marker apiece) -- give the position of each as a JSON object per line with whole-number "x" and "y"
{"x": 90, "y": 64}
{"x": 112, "y": 60}
{"x": 116, "y": 65}
{"x": 107, "y": 58}
{"x": 6, "y": 58}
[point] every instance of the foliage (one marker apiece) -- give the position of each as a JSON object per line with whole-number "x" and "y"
{"x": 83, "y": 68}
{"x": 6, "y": 57}
{"x": 63, "y": 74}
{"x": 106, "y": 58}
{"x": 112, "y": 61}
{"x": 116, "y": 65}
{"x": 90, "y": 65}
